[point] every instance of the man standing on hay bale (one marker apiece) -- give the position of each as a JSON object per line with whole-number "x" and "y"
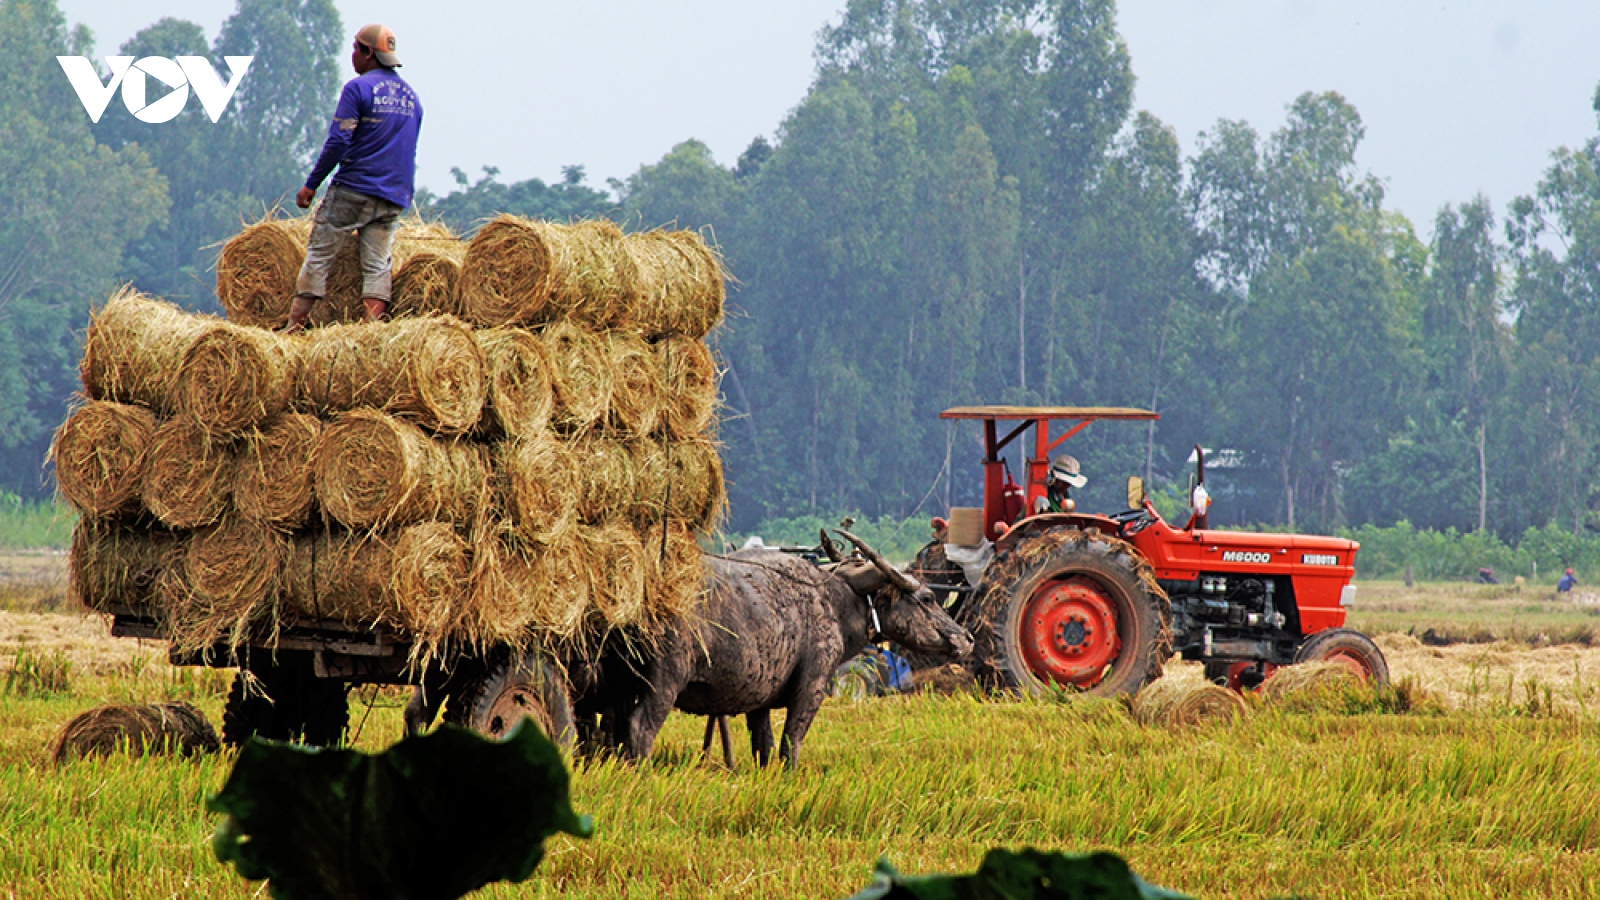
{"x": 373, "y": 141}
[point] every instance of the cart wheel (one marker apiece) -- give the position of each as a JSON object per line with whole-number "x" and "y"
{"x": 286, "y": 703}
{"x": 513, "y": 687}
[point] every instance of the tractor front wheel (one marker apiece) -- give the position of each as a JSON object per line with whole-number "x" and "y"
{"x": 510, "y": 688}
{"x": 1347, "y": 648}
{"x": 1071, "y": 609}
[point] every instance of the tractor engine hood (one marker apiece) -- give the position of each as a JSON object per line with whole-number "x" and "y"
{"x": 1185, "y": 554}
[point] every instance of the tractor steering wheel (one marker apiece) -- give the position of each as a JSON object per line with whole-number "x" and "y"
{"x": 1132, "y": 521}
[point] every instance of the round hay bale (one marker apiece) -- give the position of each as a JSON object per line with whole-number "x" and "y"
{"x": 142, "y": 729}
{"x": 375, "y": 471}
{"x": 415, "y": 580}
{"x": 257, "y": 270}
{"x": 947, "y": 679}
{"x": 613, "y": 562}
{"x": 680, "y": 284}
{"x": 517, "y": 367}
{"x": 580, "y": 376}
{"x": 1172, "y": 703}
{"x": 538, "y": 480}
{"x": 113, "y": 566}
{"x": 521, "y": 589}
{"x": 275, "y": 475}
{"x": 674, "y": 570}
{"x": 688, "y": 374}
{"x": 188, "y": 475}
{"x": 135, "y": 348}
{"x": 99, "y": 454}
{"x": 605, "y": 478}
{"x": 636, "y": 392}
{"x": 696, "y": 495}
{"x": 1310, "y": 683}
{"x": 429, "y": 281}
{"x": 229, "y": 576}
{"x": 234, "y": 378}
{"x": 429, "y": 371}
{"x": 652, "y": 474}
{"x": 525, "y": 272}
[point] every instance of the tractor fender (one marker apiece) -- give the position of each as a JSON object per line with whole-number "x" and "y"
{"x": 1040, "y": 524}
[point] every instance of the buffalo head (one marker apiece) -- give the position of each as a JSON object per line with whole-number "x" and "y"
{"x": 906, "y": 612}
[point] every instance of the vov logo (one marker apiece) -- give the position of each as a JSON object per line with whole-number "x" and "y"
{"x": 133, "y": 77}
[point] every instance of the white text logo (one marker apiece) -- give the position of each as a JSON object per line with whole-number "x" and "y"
{"x": 180, "y": 75}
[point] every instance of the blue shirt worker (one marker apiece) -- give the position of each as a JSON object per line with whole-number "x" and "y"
{"x": 373, "y": 142}
{"x": 1567, "y": 583}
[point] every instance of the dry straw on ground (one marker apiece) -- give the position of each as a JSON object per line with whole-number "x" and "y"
{"x": 274, "y": 480}
{"x": 135, "y": 348}
{"x": 688, "y": 385}
{"x": 1173, "y": 703}
{"x": 114, "y": 566}
{"x": 99, "y": 454}
{"x": 613, "y": 562}
{"x": 375, "y": 471}
{"x": 526, "y": 272}
{"x": 679, "y": 284}
{"x": 580, "y": 376}
{"x": 414, "y": 580}
{"x": 429, "y": 371}
{"x": 636, "y": 393}
{"x": 188, "y": 475}
{"x": 234, "y": 378}
{"x": 518, "y": 371}
{"x": 257, "y": 270}
{"x": 1310, "y": 683}
{"x": 173, "y": 727}
{"x": 538, "y": 484}
{"x": 606, "y": 480}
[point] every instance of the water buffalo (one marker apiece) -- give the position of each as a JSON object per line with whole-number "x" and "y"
{"x": 771, "y": 633}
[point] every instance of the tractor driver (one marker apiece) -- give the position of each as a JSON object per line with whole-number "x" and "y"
{"x": 1065, "y": 474}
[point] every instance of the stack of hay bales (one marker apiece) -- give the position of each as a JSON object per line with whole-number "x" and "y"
{"x": 543, "y": 460}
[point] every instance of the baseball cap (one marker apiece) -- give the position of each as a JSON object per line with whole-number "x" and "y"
{"x": 381, "y": 40}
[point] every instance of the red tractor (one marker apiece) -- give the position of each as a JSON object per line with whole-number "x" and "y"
{"x": 1098, "y": 603}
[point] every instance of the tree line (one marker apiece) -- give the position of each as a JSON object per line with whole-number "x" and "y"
{"x": 964, "y": 208}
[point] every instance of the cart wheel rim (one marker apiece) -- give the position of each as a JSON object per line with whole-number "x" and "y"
{"x": 1069, "y": 634}
{"x": 511, "y": 706}
{"x": 1350, "y": 659}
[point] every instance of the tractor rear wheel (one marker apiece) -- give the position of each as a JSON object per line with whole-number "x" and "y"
{"x": 508, "y": 689}
{"x": 1071, "y": 609}
{"x": 1348, "y": 648}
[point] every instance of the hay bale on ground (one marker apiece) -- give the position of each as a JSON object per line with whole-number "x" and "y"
{"x": 1310, "y": 683}
{"x": 375, "y": 471}
{"x": 636, "y": 393}
{"x": 275, "y": 475}
{"x": 233, "y": 378}
{"x": 226, "y": 584}
{"x": 688, "y": 374}
{"x": 135, "y": 348}
{"x": 1171, "y": 703}
{"x": 114, "y": 566}
{"x": 697, "y": 495}
{"x": 674, "y": 570}
{"x": 99, "y": 454}
{"x": 538, "y": 484}
{"x": 580, "y": 376}
{"x": 257, "y": 270}
{"x": 429, "y": 371}
{"x": 517, "y": 368}
{"x": 188, "y": 475}
{"x": 138, "y": 729}
{"x": 526, "y": 272}
{"x": 680, "y": 284}
{"x": 613, "y": 562}
{"x": 947, "y": 678}
{"x": 605, "y": 478}
{"x": 415, "y": 580}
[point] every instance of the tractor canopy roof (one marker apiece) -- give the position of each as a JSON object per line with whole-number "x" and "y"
{"x": 1082, "y": 413}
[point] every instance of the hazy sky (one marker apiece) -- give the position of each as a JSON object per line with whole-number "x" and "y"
{"x": 1457, "y": 98}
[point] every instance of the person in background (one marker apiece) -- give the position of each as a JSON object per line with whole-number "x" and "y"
{"x": 373, "y": 142}
{"x": 1567, "y": 583}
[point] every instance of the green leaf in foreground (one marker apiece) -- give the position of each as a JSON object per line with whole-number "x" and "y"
{"x": 431, "y": 818}
{"x": 1024, "y": 875}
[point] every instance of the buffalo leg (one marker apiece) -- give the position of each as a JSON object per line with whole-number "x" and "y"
{"x": 760, "y": 722}
{"x": 646, "y": 718}
{"x": 727, "y": 742}
{"x": 801, "y": 712}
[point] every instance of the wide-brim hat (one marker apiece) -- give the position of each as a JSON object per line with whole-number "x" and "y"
{"x": 1066, "y": 470}
{"x": 382, "y": 42}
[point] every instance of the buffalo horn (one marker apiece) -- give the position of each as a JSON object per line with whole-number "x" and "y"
{"x": 829, "y": 547}
{"x": 896, "y": 577}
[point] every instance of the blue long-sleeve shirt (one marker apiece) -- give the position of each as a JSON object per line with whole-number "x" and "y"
{"x": 373, "y": 138}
